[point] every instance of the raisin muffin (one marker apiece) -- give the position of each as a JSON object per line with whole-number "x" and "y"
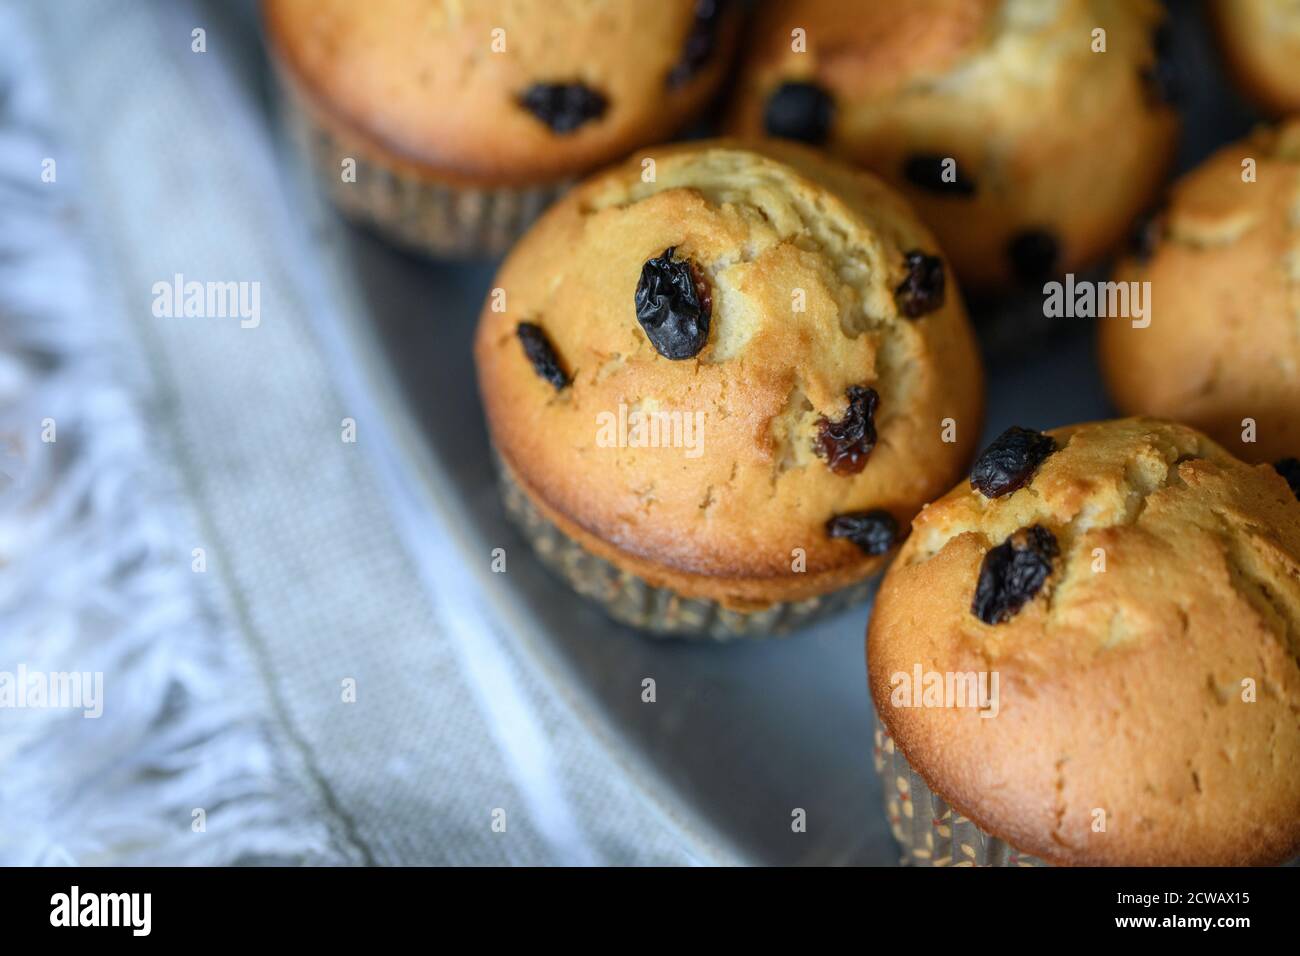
{"x": 1123, "y": 599}
{"x": 1027, "y": 153}
{"x": 1260, "y": 40}
{"x": 450, "y": 125}
{"x": 720, "y": 384}
{"x": 1222, "y": 347}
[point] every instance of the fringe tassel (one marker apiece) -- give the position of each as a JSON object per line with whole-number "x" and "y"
{"x": 90, "y": 575}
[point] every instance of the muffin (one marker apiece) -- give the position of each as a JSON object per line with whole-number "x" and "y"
{"x": 720, "y": 379}
{"x": 1089, "y": 654}
{"x": 449, "y": 126}
{"x": 1260, "y": 40}
{"x": 1220, "y": 347}
{"x": 1026, "y": 152}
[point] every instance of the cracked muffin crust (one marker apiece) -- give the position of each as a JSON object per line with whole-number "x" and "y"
{"x": 1260, "y": 40}
{"x": 1223, "y": 343}
{"x": 480, "y": 110}
{"x": 1121, "y": 690}
{"x": 803, "y": 264}
{"x": 1056, "y": 148}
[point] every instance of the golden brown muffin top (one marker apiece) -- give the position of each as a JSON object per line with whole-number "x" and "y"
{"x": 1005, "y": 68}
{"x": 435, "y": 83}
{"x": 1124, "y": 681}
{"x": 1261, "y": 40}
{"x": 1056, "y": 147}
{"x": 801, "y": 258}
{"x": 1223, "y": 343}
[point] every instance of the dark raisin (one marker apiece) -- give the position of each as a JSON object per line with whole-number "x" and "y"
{"x": 701, "y": 39}
{"x": 922, "y": 291}
{"x": 873, "y": 531}
{"x": 926, "y": 170}
{"x": 1034, "y": 254}
{"x": 1161, "y": 79}
{"x": 674, "y": 306}
{"x": 540, "y": 353}
{"x": 1010, "y": 461}
{"x": 1012, "y": 573}
{"x": 563, "y": 106}
{"x": 801, "y": 111}
{"x": 847, "y": 444}
{"x": 1289, "y": 468}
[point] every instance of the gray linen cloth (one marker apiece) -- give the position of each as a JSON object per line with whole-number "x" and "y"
{"x": 225, "y": 735}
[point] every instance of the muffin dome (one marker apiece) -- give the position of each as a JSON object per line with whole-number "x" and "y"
{"x": 1170, "y": 595}
{"x": 1057, "y": 148}
{"x": 795, "y": 306}
{"x": 1260, "y": 40}
{"x": 504, "y": 92}
{"x": 1223, "y": 343}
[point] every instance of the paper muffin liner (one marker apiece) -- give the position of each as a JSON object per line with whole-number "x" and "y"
{"x": 631, "y": 600}
{"x": 413, "y": 211}
{"x": 929, "y": 832}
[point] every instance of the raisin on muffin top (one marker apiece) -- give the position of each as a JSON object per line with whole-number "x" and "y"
{"x": 1139, "y": 599}
{"x": 505, "y": 92}
{"x": 796, "y": 306}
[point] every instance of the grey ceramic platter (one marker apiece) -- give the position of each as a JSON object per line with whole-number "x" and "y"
{"x": 745, "y": 732}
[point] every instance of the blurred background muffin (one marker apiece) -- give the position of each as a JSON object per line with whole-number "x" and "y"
{"x": 788, "y": 322}
{"x": 1260, "y": 40}
{"x": 1222, "y": 350}
{"x": 1027, "y": 133}
{"x": 464, "y": 120}
{"x": 1125, "y": 597}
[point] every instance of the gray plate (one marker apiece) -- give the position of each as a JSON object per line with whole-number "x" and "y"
{"x": 743, "y": 733}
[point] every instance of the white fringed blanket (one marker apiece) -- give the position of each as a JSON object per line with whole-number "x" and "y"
{"x": 225, "y": 735}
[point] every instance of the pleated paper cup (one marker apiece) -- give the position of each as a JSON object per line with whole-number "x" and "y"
{"x": 930, "y": 832}
{"x": 408, "y": 205}
{"x": 658, "y": 610}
